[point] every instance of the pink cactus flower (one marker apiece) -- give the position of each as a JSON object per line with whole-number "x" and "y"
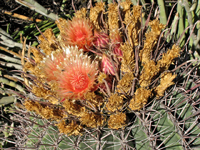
{"x": 78, "y": 32}
{"x": 51, "y": 64}
{"x": 78, "y": 75}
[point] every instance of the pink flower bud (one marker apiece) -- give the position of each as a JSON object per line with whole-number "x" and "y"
{"x": 116, "y": 40}
{"x": 107, "y": 66}
{"x": 101, "y": 40}
{"x": 117, "y": 51}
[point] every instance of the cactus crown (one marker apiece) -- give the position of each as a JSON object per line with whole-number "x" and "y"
{"x": 66, "y": 76}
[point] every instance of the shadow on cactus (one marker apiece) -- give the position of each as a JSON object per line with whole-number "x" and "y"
{"x": 104, "y": 82}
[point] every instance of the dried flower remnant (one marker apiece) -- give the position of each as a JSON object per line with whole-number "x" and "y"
{"x": 41, "y": 92}
{"x": 93, "y": 100}
{"x": 72, "y": 128}
{"x": 48, "y": 42}
{"x": 128, "y": 59}
{"x": 52, "y": 113}
{"x": 44, "y": 110}
{"x": 29, "y": 67}
{"x": 34, "y": 68}
{"x": 125, "y": 83}
{"x": 113, "y": 19}
{"x": 78, "y": 77}
{"x": 92, "y": 120}
{"x": 140, "y": 98}
{"x": 126, "y": 5}
{"x": 133, "y": 21}
{"x": 102, "y": 76}
{"x": 115, "y": 102}
{"x": 150, "y": 70}
{"x": 168, "y": 57}
{"x": 151, "y": 40}
{"x": 117, "y": 121}
{"x": 165, "y": 82}
{"x": 78, "y": 32}
{"x": 32, "y": 106}
{"x": 36, "y": 55}
{"x": 81, "y": 13}
{"x": 95, "y": 14}
{"x": 73, "y": 107}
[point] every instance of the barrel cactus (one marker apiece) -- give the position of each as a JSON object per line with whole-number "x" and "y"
{"x": 108, "y": 81}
